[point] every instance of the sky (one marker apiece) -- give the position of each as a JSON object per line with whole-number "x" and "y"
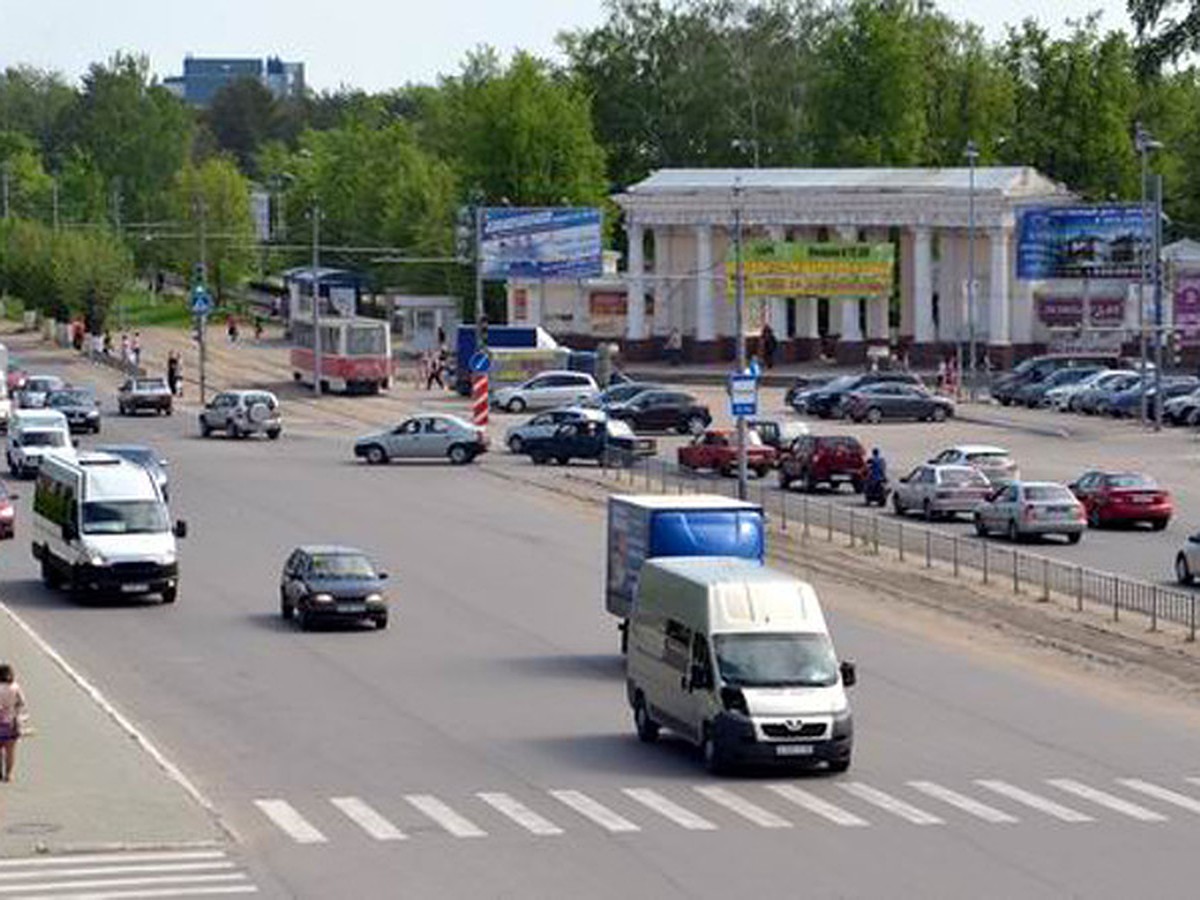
{"x": 367, "y": 44}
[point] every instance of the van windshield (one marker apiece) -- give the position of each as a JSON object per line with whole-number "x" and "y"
{"x": 44, "y": 439}
{"x": 124, "y": 517}
{"x": 776, "y": 660}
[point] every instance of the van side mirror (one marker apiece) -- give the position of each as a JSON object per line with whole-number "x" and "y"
{"x": 180, "y": 529}
{"x": 382, "y": 576}
{"x": 849, "y": 674}
{"x": 70, "y": 531}
{"x": 700, "y": 678}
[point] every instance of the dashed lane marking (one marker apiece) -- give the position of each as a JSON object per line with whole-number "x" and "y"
{"x": 595, "y": 811}
{"x": 367, "y": 819}
{"x": 1035, "y": 801}
{"x": 891, "y": 804}
{"x": 455, "y": 824}
{"x": 819, "y": 806}
{"x": 288, "y": 820}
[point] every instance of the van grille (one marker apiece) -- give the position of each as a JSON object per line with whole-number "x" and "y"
{"x": 782, "y": 731}
{"x": 138, "y": 570}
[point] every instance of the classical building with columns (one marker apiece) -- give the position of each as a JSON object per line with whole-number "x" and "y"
{"x": 680, "y": 224}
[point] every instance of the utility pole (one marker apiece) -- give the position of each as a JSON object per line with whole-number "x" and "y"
{"x": 972, "y": 153}
{"x": 1143, "y": 142}
{"x": 202, "y": 319}
{"x": 480, "y": 313}
{"x": 316, "y": 296}
{"x": 1158, "y": 303}
{"x": 740, "y": 332}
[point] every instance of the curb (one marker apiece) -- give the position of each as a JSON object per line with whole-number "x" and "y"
{"x": 1012, "y": 425}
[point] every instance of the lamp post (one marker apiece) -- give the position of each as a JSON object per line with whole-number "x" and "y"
{"x": 740, "y": 333}
{"x": 972, "y": 154}
{"x": 1144, "y": 142}
{"x": 316, "y": 295}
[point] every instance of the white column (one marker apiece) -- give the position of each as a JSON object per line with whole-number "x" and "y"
{"x": 949, "y": 288}
{"x": 777, "y": 306}
{"x": 1021, "y": 317}
{"x": 581, "y": 316}
{"x": 851, "y": 332}
{"x": 706, "y": 325}
{"x": 662, "y": 281}
{"x": 635, "y": 325}
{"x": 906, "y": 283}
{"x": 998, "y": 302}
{"x": 877, "y": 307}
{"x": 808, "y": 324}
{"x": 923, "y": 332}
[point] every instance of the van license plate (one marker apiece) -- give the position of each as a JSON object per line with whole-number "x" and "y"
{"x": 794, "y": 750}
{"x": 134, "y": 588}
{"x": 352, "y": 607}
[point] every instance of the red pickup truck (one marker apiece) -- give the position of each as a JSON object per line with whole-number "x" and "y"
{"x": 716, "y": 449}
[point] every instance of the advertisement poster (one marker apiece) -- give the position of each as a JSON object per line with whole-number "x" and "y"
{"x": 1080, "y": 241}
{"x": 550, "y": 243}
{"x": 1187, "y": 308}
{"x": 787, "y": 269}
{"x": 1067, "y": 311}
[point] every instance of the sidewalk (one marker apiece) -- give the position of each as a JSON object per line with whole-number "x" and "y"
{"x": 83, "y": 780}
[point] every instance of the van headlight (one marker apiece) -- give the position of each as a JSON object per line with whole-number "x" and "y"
{"x": 97, "y": 559}
{"x": 374, "y": 599}
{"x": 322, "y": 598}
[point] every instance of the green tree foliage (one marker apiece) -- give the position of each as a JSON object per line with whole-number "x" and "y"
{"x": 29, "y": 187}
{"x": 214, "y": 198}
{"x": 39, "y": 105}
{"x": 243, "y": 117}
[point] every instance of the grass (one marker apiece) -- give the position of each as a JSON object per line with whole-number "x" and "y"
{"x": 14, "y": 308}
{"x": 139, "y": 308}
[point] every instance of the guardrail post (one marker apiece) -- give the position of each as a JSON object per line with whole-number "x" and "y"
{"x": 875, "y": 535}
{"x": 1016, "y": 572}
{"x": 1192, "y": 618}
{"x": 851, "y": 528}
{"x": 1045, "y": 580}
{"x": 783, "y": 509}
{"x": 829, "y": 522}
{"x": 928, "y": 548}
{"x": 954, "y": 552}
{"x": 804, "y": 513}
{"x": 647, "y": 476}
{"x": 1079, "y": 588}
{"x": 1116, "y": 598}
{"x": 1154, "y": 607}
{"x": 900, "y": 525}
{"x": 985, "y": 561}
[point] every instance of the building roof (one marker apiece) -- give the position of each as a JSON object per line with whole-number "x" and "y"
{"x": 1007, "y": 180}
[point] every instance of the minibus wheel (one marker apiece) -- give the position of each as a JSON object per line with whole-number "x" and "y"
{"x": 647, "y": 728}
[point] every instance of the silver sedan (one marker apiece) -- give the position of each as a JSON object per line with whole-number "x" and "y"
{"x": 1023, "y": 509}
{"x": 937, "y": 491}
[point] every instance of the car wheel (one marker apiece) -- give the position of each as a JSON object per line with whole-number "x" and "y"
{"x": 696, "y": 425}
{"x": 1183, "y": 572}
{"x": 376, "y": 455}
{"x": 897, "y": 505}
{"x": 515, "y": 405}
{"x": 874, "y": 415}
{"x": 562, "y": 460}
{"x": 49, "y": 575}
{"x": 837, "y": 766}
{"x": 539, "y": 458}
{"x": 927, "y": 511}
{"x": 285, "y": 609}
{"x": 1093, "y": 518}
{"x": 714, "y": 757}
{"x": 1073, "y": 537}
{"x": 980, "y": 528}
{"x": 1014, "y": 534}
{"x": 647, "y": 728}
{"x": 515, "y": 443}
{"x": 170, "y": 595}
{"x": 785, "y": 483}
{"x": 459, "y": 455}
{"x": 381, "y": 622}
{"x": 938, "y": 414}
{"x": 232, "y": 430}
{"x": 1158, "y": 524}
{"x": 304, "y": 619}
{"x": 205, "y": 429}
{"x": 273, "y": 434}
{"x": 761, "y": 471}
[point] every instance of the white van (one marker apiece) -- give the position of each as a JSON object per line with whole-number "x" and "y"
{"x": 34, "y": 433}
{"x": 736, "y": 658}
{"x": 101, "y": 525}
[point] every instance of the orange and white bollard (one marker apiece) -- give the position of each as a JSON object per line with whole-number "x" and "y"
{"x": 479, "y": 399}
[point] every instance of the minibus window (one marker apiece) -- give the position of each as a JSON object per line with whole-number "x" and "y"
{"x": 776, "y": 660}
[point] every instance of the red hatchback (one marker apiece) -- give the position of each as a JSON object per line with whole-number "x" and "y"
{"x": 1130, "y": 497}
{"x": 8, "y": 513}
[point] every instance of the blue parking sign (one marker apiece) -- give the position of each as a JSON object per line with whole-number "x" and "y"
{"x": 480, "y": 361}
{"x": 743, "y": 395}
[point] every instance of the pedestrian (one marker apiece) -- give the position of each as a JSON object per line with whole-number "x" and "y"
{"x": 441, "y": 337}
{"x": 258, "y": 328}
{"x": 674, "y": 347}
{"x": 434, "y": 371}
{"x": 107, "y": 342}
{"x": 135, "y": 349}
{"x": 173, "y": 373}
{"x": 231, "y": 328}
{"x": 941, "y": 376}
{"x": 77, "y": 335}
{"x": 12, "y": 709}
{"x": 769, "y": 345}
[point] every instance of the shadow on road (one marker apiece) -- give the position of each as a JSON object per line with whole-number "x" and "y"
{"x": 267, "y": 621}
{"x": 623, "y": 754}
{"x": 598, "y": 666}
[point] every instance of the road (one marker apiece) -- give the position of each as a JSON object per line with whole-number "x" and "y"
{"x": 481, "y": 747}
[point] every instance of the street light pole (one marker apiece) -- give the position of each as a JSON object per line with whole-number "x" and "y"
{"x": 972, "y": 154}
{"x": 316, "y": 296}
{"x": 740, "y": 333}
{"x": 1158, "y": 303}
{"x": 202, "y": 323}
{"x": 1144, "y": 143}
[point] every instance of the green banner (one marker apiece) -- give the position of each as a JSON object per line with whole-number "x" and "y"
{"x": 786, "y": 269}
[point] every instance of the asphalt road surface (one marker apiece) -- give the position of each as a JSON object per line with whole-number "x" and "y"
{"x": 481, "y": 747}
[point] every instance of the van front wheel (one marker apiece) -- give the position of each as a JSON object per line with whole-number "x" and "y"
{"x": 647, "y": 728}
{"x": 49, "y": 575}
{"x": 713, "y": 753}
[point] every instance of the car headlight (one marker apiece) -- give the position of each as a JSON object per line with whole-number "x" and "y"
{"x": 166, "y": 559}
{"x": 375, "y": 599}
{"x": 97, "y": 559}
{"x": 322, "y": 598}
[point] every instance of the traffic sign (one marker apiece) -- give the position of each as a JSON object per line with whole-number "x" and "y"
{"x": 743, "y": 395}
{"x": 201, "y": 301}
{"x": 480, "y": 361}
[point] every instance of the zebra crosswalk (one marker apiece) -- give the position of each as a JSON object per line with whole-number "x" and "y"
{"x": 835, "y": 803}
{"x": 123, "y": 876}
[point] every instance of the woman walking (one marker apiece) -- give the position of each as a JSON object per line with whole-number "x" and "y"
{"x": 12, "y": 707}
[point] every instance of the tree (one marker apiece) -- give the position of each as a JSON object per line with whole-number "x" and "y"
{"x": 1162, "y": 40}
{"x": 29, "y": 187}
{"x": 243, "y": 116}
{"x": 37, "y": 104}
{"x": 214, "y": 198}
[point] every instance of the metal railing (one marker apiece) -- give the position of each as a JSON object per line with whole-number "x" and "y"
{"x": 966, "y": 556}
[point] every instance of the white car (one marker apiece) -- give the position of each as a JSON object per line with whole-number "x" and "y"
{"x": 1187, "y": 560}
{"x": 34, "y": 434}
{"x": 1031, "y": 509}
{"x": 545, "y": 390}
{"x": 545, "y": 424}
{"x": 995, "y": 463}
{"x": 1063, "y": 398}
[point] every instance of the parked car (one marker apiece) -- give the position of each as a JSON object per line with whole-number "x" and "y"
{"x": 796, "y": 395}
{"x": 609, "y": 442}
{"x": 546, "y": 389}
{"x": 1023, "y": 509}
{"x": 79, "y": 405}
{"x": 994, "y": 463}
{"x": 1094, "y": 400}
{"x": 1035, "y": 393}
{"x": 1065, "y": 397}
{"x": 426, "y": 436}
{"x": 146, "y": 457}
{"x": 716, "y": 449}
{"x": 547, "y": 423}
{"x": 8, "y": 513}
{"x": 1038, "y": 368}
{"x": 620, "y": 393}
{"x": 137, "y": 394}
{"x": 326, "y": 583}
{"x": 815, "y": 460}
{"x": 240, "y": 414}
{"x": 1187, "y": 560}
{"x": 663, "y": 411}
{"x": 1183, "y": 409}
{"x": 938, "y": 491}
{"x": 15, "y": 378}
{"x": 777, "y": 433}
{"x": 36, "y": 389}
{"x": 827, "y": 402}
{"x": 894, "y": 400}
{"x": 1128, "y": 403}
{"x": 1129, "y": 497}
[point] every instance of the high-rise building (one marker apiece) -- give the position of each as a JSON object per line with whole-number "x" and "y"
{"x": 203, "y": 76}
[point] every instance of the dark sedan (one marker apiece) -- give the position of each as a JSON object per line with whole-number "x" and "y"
{"x": 1033, "y": 394}
{"x": 1128, "y": 403}
{"x": 897, "y": 401}
{"x": 1095, "y": 400}
{"x": 80, "y": 406}
{"x": 329, "y": 583}
{"x": 663, "y": 411}
{"x": 620, "y": 393}
{"x": 829, "y": 401}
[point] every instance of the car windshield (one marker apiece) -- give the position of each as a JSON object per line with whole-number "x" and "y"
{"x": 619, "y": 428}
{"x": 622, "y": 392}
{"x": 776, "y": 660}
{"x": 43, "y": 384}
{"x": 69, "y": 398}
{"x": 124, "y": 517}
{"x": 341, "y": 565}
{"x": 141, "y": 455}
{"x": 1131, "y": 481}
{"x": 989, "y": 459}
{"x": 963, "y": 478}
{"x": 150, "y": 384}
{"x": 841, "y": 383}
{"x": 44, "y": 439}
{"x": 1053, "y": 492}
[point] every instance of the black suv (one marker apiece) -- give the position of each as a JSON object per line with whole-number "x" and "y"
{"x": 610, "y": 443}
{"x": 828, "y": 402}
{"x": 663, "y": 411}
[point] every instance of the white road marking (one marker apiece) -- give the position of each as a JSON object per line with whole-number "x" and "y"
{"x": 368, "y": 819}
{"x": 1034, "y": 801}
{"x": 819, "y": 806}
{"x": 180, "y": 881}
{"x": 669, "y": 809}
{"x": 294, "y": 825}
{"x": 963, "y": 802}
{"x": 457, "y": 825}
{"x": 114, "y": 870}
{"x": 1191, "y": 804}
{"x": 1116, "y": 804}
{"x": 148, "y": 894}
{"x": 519, "y": 813}
{"x": 744, "y": 808}
{"x": 891, "y": 804}
{"x": 597, "y": 812}
{"x": 93, "y": 858}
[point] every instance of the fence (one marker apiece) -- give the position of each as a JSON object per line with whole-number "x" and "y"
{"x": 992, "y": 563}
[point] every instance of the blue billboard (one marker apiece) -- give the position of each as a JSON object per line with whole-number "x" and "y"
{"x": 552, "y": 242}
{"x": 1102, "y": 241}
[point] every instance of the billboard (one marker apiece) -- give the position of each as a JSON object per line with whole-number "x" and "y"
{"x": 551, "y": 242}
{"x": 786, "y": 269}
{"x": 1067, "y": 311}
{"x": 1080, "y": 241}
{"x": 1187, "y": 308}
